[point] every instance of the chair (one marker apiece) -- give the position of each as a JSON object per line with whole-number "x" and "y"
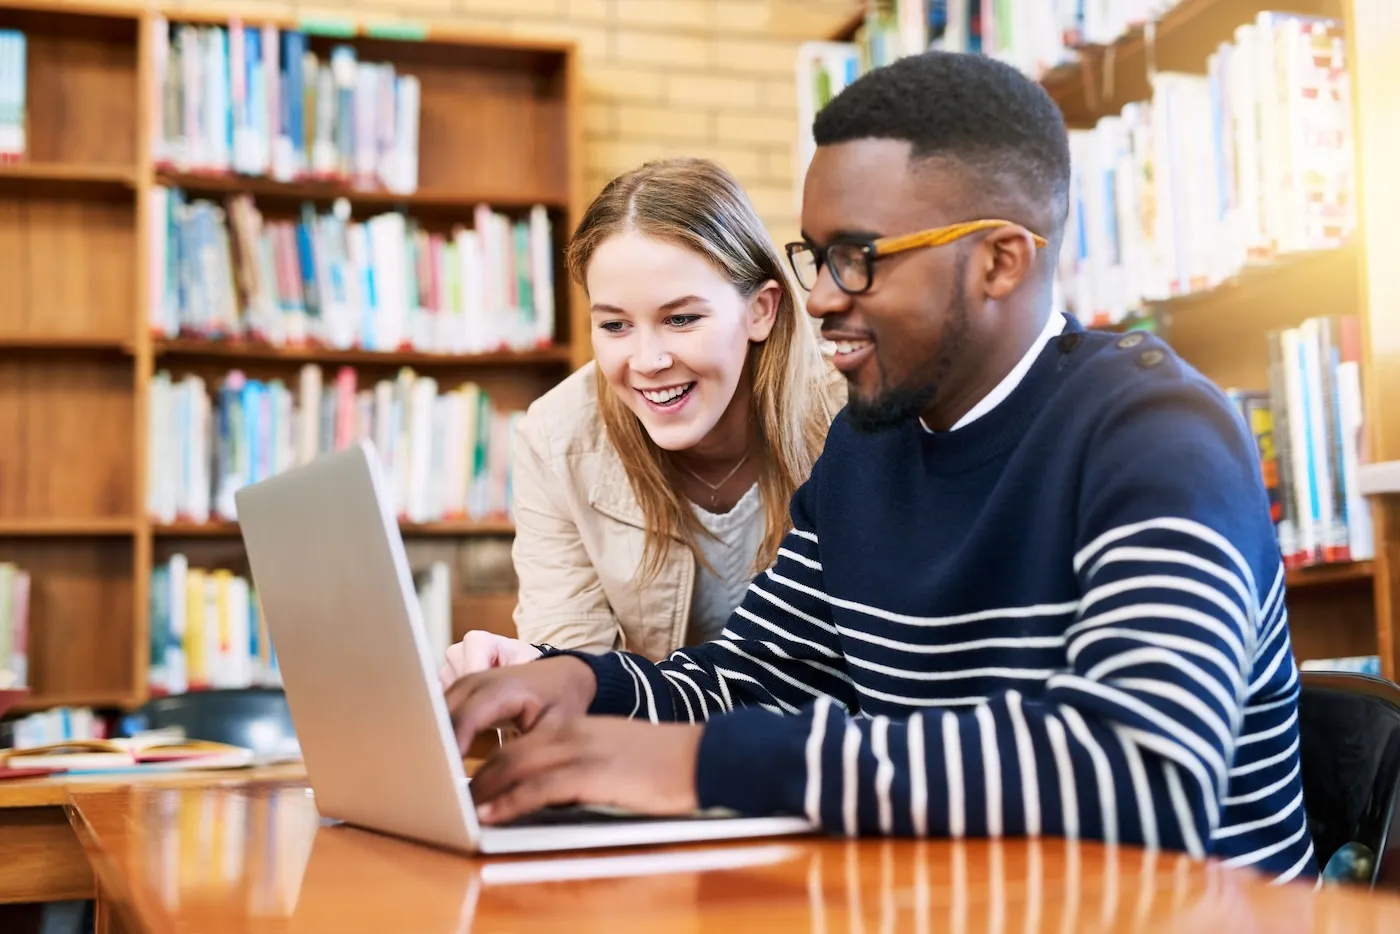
{"x": 257, "y": 718}
{"x": 1349, "y": 729}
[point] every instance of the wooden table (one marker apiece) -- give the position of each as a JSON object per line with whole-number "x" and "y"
{"x": 40, "y": 858}
{"x": 258, "y": 858}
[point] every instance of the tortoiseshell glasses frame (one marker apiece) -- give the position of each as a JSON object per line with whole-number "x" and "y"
{"x": 852, "y": 261}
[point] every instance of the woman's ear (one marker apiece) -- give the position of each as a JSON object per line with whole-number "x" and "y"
{"x": 763, "y": 311}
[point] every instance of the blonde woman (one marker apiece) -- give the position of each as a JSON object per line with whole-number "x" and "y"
{"x": 652, "y": 484}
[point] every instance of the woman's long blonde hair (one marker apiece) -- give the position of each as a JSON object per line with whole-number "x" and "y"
{"x": 696, "y": 204}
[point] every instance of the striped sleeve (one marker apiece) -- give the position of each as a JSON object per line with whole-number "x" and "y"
{"x": 1132, "y": 741}
{"x": 777, "y": 653}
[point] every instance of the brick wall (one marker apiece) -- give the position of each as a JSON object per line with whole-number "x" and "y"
{"x": 669, "y": 77}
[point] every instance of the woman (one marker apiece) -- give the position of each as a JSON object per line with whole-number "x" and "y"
{"x": 653, "y": 484}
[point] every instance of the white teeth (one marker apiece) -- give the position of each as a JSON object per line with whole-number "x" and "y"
{"x": 662, "y": 396}
{"x": 838, "y": 348}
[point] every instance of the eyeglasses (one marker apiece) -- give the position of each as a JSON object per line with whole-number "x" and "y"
{"x": 852, "y": 262}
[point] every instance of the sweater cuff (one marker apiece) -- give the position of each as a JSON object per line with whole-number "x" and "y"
{"x": 616, "y": 691}
{"x": 753, "y": 761}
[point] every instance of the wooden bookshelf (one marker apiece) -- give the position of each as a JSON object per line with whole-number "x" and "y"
{"x": 499, "y": 125}
{"x": 1335, "y": 610}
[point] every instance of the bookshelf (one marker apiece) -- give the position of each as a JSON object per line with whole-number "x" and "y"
{"x": 86, "y": 213}
{"x": 1337, "y": 609}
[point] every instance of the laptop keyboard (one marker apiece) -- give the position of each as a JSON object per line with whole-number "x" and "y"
{"x": 580, "y": 814}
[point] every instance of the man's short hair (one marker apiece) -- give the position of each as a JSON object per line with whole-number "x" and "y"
{"x": 980, "y": 112}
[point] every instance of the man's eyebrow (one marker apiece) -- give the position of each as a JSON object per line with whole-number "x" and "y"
{"x": 844, "y": 235}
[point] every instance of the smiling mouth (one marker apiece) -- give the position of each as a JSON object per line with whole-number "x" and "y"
{"x": 844, "y": 348}
{"x": 666, "y": 398}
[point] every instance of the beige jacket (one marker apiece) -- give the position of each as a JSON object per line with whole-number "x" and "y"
{"x": 580, "y": 536}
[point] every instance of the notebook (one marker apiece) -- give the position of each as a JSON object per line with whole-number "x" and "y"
{"x": 154, "y": 751}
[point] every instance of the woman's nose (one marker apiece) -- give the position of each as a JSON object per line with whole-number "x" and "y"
{"x": 650, "y": 357}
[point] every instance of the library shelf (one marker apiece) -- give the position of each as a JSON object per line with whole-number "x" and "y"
{"x": 101, "y": 527}
{"x": 500, "y": 127}
{"x": 98, "y": 699}
{"x": 262, "y": 188}
{"x": 1108, "y": 76}
{"x": 269, "y": 353}
{"x": 1327, "y": 575}
{"x": 94, "y": 174}
{"x": 445, "y": 529}
{"x": 66, "y": 344}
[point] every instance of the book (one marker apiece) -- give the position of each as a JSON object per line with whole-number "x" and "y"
{"x": 155, "y": 751}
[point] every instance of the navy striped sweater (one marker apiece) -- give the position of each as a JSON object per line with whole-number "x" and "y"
{"x": 1065, "y": 618}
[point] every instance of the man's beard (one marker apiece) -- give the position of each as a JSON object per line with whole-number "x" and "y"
{"x": 895, "y": 406}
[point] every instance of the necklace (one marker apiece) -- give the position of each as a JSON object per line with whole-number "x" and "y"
{"x": 714, "y": 487}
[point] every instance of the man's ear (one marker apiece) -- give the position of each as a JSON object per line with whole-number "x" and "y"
{"x": 763, "y": 311}
{"x": 1009, "y": 255}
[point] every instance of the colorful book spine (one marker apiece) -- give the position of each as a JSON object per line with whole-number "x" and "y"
{"x": 258, "y": 101}
{"x": 446, "y": 452}
{"x": 223, "y": 271}
{"x": 1246, "y": 164}
{"x": 1307, "y": 425}
{"x": 207, "y": 630}
{"x": 15, "y": 584}
{"x": 14, "y": 137}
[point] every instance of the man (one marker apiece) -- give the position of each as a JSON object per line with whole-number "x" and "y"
{"x": 1032, "y": 585}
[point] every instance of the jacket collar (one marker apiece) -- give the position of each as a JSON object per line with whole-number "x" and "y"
{"x": 611, "y": 493}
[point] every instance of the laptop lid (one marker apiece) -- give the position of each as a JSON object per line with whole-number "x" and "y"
{"x": 333, "y": 581}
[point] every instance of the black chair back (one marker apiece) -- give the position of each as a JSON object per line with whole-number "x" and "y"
{"x": 257, "y": 718}
{"x": 1349, "y": 729}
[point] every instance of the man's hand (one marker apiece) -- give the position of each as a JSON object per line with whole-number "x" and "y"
{"x": 522, "y": 696}
{"x": 480, "y": 650}
{"x": 633, "y": 764}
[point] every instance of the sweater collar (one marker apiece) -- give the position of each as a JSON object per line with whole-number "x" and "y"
{"x": 1054, "y": 325}
{"x": 1002, "y": 425}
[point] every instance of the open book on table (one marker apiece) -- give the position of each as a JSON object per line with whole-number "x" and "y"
{"x": 154, "y": 751}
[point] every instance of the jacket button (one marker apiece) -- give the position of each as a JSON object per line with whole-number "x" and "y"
{"x": 1131, "y": 339}
{"x": 1150, "y": 358}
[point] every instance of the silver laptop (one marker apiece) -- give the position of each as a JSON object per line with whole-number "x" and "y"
{"x": 334, "y": 584}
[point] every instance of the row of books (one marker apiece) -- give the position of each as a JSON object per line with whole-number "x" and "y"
{"x": 13, "y": 96}
{"x": 207, "y": 629}
{"x": 222, "y": 270}
{"x": 1308, "y": 426}
{"x": 1035, "y": 36}
{"x": 446, "y": 453}
{"x": 1354, "y": 664}
{"x": 14, "y": 625}
{"x": 257, "y": 100}
{"x": 1217, "y": 172}
{"x": 58, "y": 724}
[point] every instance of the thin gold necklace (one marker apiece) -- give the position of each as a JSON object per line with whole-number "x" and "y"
{"x": 714, "y": 487}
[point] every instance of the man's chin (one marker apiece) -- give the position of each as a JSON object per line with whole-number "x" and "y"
{"x": 885, "y": 411}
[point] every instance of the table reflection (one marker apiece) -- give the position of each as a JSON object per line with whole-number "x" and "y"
{"x": 261, "y": 859}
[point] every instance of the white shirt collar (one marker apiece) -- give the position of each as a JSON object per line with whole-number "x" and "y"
{"x": 1054, "y": 325}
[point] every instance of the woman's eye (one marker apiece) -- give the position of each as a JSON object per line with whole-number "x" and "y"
{"x": 614, "y": 327}
{"x": 681, "y": 321}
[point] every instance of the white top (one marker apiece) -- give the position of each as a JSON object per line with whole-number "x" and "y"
{"x": 738, "y": 533}
{"x": 1053, "y": 326}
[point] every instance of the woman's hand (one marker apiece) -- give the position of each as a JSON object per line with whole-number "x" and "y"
{"x": 479, "y": 651}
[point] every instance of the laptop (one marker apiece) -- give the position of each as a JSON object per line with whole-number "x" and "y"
{"x": 335, "y": 588}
